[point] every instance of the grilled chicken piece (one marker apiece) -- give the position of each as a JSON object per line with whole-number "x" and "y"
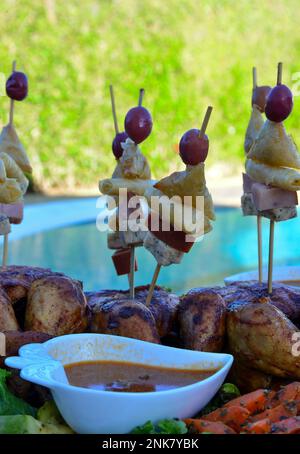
{"x": 202, "y": 321}
{"x": 8, "y": 319}
{"x": 260, "y": 335}
{"x": 124, "y": 317}
{"x": 163, "y": 306}
{"x": 16, "y": 280}
{"x": 285, "y": 298}
{"x": 56, "y": 306}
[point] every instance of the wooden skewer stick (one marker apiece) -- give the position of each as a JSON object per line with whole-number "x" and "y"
{"x": 141, "y": 96}
{"x": 259, "y": 234}
{"x": 132, "y": 248}
{"x": 10, "y": 122}
{"x": 272, "y": 223}
{"x": 12, "y": 102}
{"x": 271, "y": 252}
{"x": 254, "y": 76}
{"x": 152, "y": 285}
{"x": 259, "y": 248}
{"x": 5, "y": 250}
{"x": 113, "y": 108}
{"x": 205, "y": 120}
{"x": 131, "y": 275}
{"x": 279, "y": 73}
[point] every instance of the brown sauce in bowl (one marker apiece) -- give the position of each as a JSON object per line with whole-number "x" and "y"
{"x": 131, "y": 377}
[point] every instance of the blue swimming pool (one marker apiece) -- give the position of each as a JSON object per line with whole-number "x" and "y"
{"x": 80, "y": 250}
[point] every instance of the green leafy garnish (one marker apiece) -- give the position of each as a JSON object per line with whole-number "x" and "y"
{"x": 10, "y": 404}
{"x": 226, "y": 393}
{"x": 19, "y": 424}
{"x": 165, "y": 426}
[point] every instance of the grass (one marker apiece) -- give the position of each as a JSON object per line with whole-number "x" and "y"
{"x": 186, "y": 54}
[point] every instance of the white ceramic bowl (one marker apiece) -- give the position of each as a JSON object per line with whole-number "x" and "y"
{"x": 90, "y": 411}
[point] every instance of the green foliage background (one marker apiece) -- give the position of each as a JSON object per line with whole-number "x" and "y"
{"x": 185, "y": 53}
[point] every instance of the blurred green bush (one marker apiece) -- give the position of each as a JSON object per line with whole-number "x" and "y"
{"x": 185, "y": 53}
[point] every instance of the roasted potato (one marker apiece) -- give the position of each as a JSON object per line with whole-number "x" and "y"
{"x": 201, "y": 318}
{"x": 56, "y": 305}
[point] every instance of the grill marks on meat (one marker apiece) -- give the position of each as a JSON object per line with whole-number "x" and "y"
{"x": 162, "y": 310}
{"x": 127, "y": 318}
{"x": 283, "y": 297}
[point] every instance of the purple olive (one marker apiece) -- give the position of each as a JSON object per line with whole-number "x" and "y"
{"x": 193, "y": 149}
{"x": 138, "y": 124}
{"x": 116, "y": 145}
{"x": 17, "y": 86}
{"x": 279, "y": 103}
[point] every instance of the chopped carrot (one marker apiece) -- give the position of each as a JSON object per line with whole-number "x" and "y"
{"x": 287, "y": 393}
{"x": 233, "y": 416}
{"x": 263, "y": 426}
{"x": 287, "y": 426}
{"x": 199, "y": 426}
{"x": 254, "y": 402}
{"x": 282, "y": 411}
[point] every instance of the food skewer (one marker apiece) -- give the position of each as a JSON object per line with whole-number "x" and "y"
{"x": 273, "y": 167}
{"x": 258, "y": 217}
{"x": 131, "y": 172}
{"x": 13, "y": 161}
{"x": 132, "y": 248}
{"x": 11, "y": 120}
{"x": 192, "y": 160}
{"x": 118, "y": 258}
{"x": 272, "y": 224}
{"x": 259, "y": 95}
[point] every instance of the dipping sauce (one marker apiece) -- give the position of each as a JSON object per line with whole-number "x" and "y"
{"x": 131, "y": 377}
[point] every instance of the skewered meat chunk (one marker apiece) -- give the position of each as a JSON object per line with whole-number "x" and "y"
{"x": 8, "y": 319}
{"x": 164, "y": 254}
{"x": 261, "y": 335}
{"x": 202, "y": 321}
{"x": 56, "y": 305}
{"x": 163, "y": 306}
{"x": 14, "y": 211}
{"x": 127, "y": 318}
{"x": 121, "y": 260}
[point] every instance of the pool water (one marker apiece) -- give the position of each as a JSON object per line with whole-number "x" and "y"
{"x": 81, "y": 252}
